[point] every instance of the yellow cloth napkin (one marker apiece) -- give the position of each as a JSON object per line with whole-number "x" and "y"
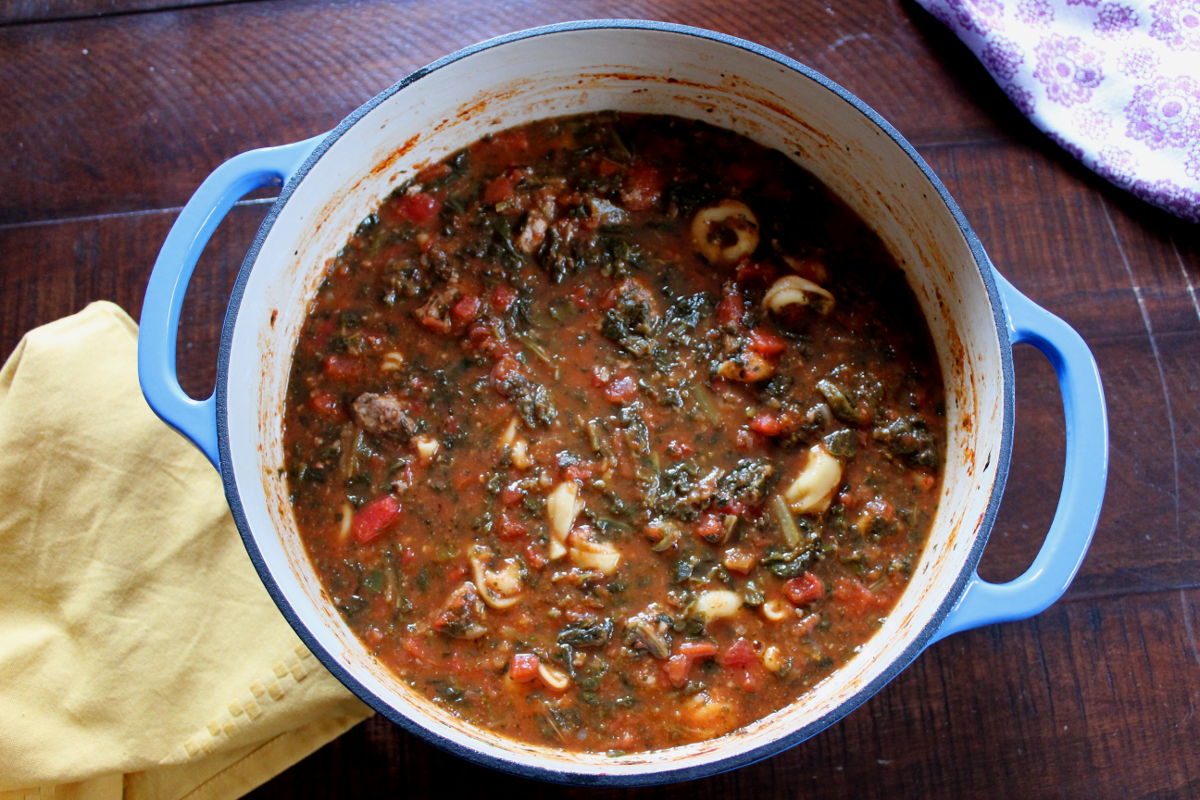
{"x": 140, "y": 656}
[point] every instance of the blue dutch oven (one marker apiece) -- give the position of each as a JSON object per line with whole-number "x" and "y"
{"x": 331, "y": 182}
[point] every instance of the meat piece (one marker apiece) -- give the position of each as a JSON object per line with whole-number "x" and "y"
{"x": 434, "y": 313}
{"x": 462, "y": 615}
{"x": 383, "y": 414}
{"x": 532, "y": 234}
{"x": 649, "y": 631}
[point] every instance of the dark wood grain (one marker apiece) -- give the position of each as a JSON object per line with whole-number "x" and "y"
{"x": 51, "y": 270}
{"x": 159, "y": 117}
{"x": 24, "y": 11}
{"x": 111, "y": 121}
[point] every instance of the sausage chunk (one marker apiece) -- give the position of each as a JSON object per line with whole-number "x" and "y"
{"x": 383, "y": 414}
{"x": 462, "y": 615}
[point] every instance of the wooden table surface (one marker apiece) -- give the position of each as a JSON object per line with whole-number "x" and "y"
{"x": 113, "y": 111}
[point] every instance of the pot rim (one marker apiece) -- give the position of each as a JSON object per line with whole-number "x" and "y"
{"x": 669, "y": 774}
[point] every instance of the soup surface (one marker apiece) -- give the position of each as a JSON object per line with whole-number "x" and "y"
{"x": 614, "y": 432}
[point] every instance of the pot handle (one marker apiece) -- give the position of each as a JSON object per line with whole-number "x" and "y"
{"x": 1084, "y": 475}
{"x": 159, "y": 325}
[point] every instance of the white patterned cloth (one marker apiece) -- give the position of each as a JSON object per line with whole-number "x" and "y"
{"x": 1114, "y": 82}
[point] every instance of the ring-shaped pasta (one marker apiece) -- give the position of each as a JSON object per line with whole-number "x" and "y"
{"x": 792, "y": 291}
{"x": 491, "y": 583}
{"x": 725, "y": 233}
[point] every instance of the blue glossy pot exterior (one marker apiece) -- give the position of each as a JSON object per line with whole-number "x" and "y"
{"x": 332, "y": 181}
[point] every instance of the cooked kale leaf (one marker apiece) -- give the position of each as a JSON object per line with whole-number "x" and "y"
{"x": 532, "y": 400}
{"x": 632, "y": 321}
{"x": 909, "y": 437}
{"x": 586, "y": 634}
{"x": 748, "y": 482}
{"x": 787, "y": 562}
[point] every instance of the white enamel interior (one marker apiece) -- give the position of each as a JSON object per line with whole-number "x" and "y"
{"x": 576, "y": 71}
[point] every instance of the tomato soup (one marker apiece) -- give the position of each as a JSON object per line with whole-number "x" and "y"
{"x": 614, "y": 432}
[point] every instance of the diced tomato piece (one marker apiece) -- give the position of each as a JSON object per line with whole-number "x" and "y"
{"x": 679, "y": 448}
{"x": 752, "y": 678}
{"x": 804, "y": 589}
{"x": 535, "y": 557}
{"x": 416, "y": 648}
{"x": 739, "y": 654}
{"x": 697, "y": 649}
{"x": 339, "y": 368}
{"x": 766, "y": 423}
{"x": 740, "y": 560}
{"x": 501, "y": 187}
{"x": 511, "y": 495}
{"x": 676, "y": 669}
{"x": 609, "y": 299}
{"x": 643, "y": 187}
{"x": 606, "y": 167}
{"x": 729, "y": 309}
{"x": 407, "y": 556}
{"x": 502, "y": 369}
{"x": 373, "y": 518}
{"x": 523, "y": 667}
{"x": 678, "y": 665}
{"x": 748, "y": 270}
{"x": 578, "y": 472}
{"x": 709, "y": 527}
{"x": 621, "y": 390}
{"x": 622, "y": 734}
{"x": 326, "y": 404}
{"x": 465, "y": 308}
{"x": 854, "y": 598}
{"x": 789, "y": 421}
{"x": 735, "y": 507}
{"x": 508, "y": 528}
{"x": 480, "y": 337}
{"x": 419, "y": 208}
{"x": 503, "y": 297}
{"x": 456, "y": 573}
{"x": 477, "y": 334}
{"x": 512, "y": 139}
{"x": 765, "y": 343}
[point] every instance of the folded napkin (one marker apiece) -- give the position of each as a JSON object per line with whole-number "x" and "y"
{"x": 1114, "y": 82}
{"x": 140, "y": 656}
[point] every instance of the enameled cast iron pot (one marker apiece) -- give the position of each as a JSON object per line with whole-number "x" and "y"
{"x": 331, "y": 182}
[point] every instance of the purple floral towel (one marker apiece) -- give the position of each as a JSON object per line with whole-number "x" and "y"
{"x": 1114, "y": 82}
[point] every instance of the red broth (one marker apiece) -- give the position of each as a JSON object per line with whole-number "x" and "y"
{"x": 614, "y": 432}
